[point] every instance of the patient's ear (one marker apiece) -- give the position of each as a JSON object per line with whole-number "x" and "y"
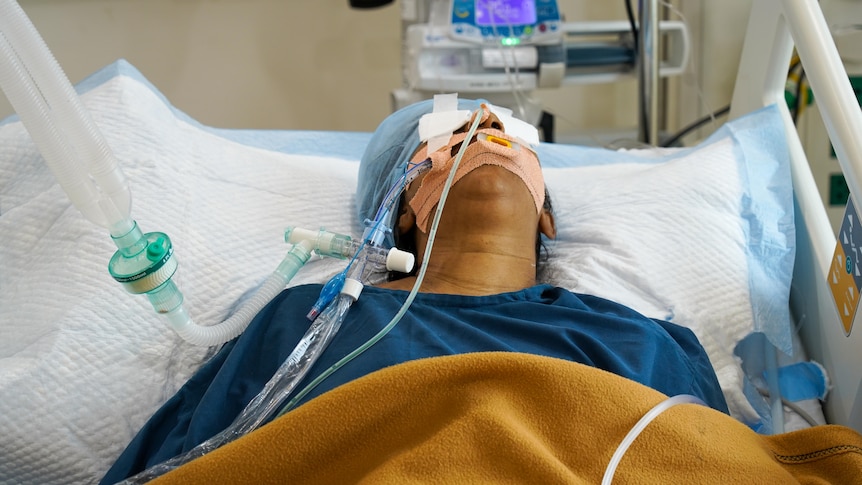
{"x": 547, "y": 226}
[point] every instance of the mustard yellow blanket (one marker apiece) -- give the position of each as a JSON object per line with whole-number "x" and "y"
{"x": 517, "y": 418}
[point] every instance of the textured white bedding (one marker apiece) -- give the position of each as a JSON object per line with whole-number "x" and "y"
{"x": 678, "y": 235}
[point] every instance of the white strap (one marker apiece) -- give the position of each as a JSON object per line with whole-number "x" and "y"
{"x": 437, "y": 127}
{"x": 515, "y": 127}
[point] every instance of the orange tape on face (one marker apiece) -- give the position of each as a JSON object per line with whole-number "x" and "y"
{"x": 492, "y": 147}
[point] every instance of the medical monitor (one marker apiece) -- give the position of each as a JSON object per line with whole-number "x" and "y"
{"x": 508, "y": 22}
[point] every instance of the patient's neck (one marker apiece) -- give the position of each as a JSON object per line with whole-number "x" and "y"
{"x": 486, "y": 239}
{"x": 475, "y": 265}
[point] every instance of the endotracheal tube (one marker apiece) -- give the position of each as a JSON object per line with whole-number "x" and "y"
{"x": 388, "y": 203}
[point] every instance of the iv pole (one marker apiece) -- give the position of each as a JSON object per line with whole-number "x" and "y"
{"x": 648, "y": 78}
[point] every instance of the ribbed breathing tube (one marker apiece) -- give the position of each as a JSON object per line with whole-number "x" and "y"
{"x": 67, "y": 137}
{"x": 229, "y": 329}
{"x": 87, "y": 170}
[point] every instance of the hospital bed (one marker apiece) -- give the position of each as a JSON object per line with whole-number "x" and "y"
{"x": 728, "y": 238}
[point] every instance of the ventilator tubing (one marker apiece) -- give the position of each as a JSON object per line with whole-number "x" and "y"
{"x": 229, "y": 329}
{"x": 63, "y": 131}
{"x": 83, "y": 164}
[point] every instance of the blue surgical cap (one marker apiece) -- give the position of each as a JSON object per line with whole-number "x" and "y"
{"x": 387, "y": 154}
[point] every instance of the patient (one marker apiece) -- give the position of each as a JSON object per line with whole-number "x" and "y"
{"x": 480, "y": 294}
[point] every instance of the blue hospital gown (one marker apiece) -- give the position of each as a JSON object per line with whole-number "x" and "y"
{"x": 541, "y": 320}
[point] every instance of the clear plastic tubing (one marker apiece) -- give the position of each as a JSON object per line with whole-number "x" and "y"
{"x": 85, "y": 167}
{"x": 313, "y": 343}
{"x": 277, "y": 389}
{"x": 641, "y": 425}
{"x": 67, "y": 137}
{"x": 395, "y": 191}
{"x": 342, "y": 247}
{"x": 432, "y": 235}
{"x": 229, "y": 329}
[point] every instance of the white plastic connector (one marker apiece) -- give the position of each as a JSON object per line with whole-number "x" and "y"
{"x": 352, "y": 288}
{"x": 296, "y": 234}
{"x": 401, "y": 261}
{"x": 322, "y": 238}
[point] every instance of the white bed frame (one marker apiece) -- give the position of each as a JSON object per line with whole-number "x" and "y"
{"x": 775, "y": 26}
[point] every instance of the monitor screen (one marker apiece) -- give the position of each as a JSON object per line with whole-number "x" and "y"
{"x": 491, "y": 13}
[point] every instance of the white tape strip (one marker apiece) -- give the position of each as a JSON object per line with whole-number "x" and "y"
{"x": 445, "y": 102}
{"x": 515, "y": 127}
{"x": 437, "y": 127}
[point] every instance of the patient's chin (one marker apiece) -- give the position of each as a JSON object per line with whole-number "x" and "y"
{"x": 489, "y": 199}
{"x": 492, "y": 214}
{"x": 492, "y": 188}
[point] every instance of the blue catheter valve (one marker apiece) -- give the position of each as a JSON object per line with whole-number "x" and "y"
{"x": 376, "y": 231}
{"x": 330, "y": 290}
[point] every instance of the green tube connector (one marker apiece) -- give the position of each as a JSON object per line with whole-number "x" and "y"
{"x": 144, "y": 262}
{"x": 132, "y": 242}
{"x": 325, "y": 243}
{"x": 166, "y": 298}
{"x": 295, "y": 259}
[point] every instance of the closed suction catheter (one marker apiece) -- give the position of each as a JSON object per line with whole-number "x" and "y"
{"x": 365, "y": 260}
{"x": 346, "y": 286}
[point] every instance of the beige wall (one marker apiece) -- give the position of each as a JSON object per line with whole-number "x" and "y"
{"x": 717, "y": 30}
{"x": 317, "y": 64}
{"x": 238, "y": 63}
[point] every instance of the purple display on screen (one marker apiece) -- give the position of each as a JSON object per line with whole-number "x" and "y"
{"x": 505, "y": 12}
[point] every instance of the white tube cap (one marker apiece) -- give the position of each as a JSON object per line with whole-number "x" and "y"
{"x": 352, "y": 288}
{"x": 401, "y": 261}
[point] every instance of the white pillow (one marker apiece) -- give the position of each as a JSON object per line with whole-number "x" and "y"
{"x": 702, "y": 237}
{"x": 669, "y": 240}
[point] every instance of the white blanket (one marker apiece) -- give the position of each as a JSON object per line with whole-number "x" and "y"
{"x": 83, "y": 364}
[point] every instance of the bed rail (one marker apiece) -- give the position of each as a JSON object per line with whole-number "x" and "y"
{"x": 775, "y": 27}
